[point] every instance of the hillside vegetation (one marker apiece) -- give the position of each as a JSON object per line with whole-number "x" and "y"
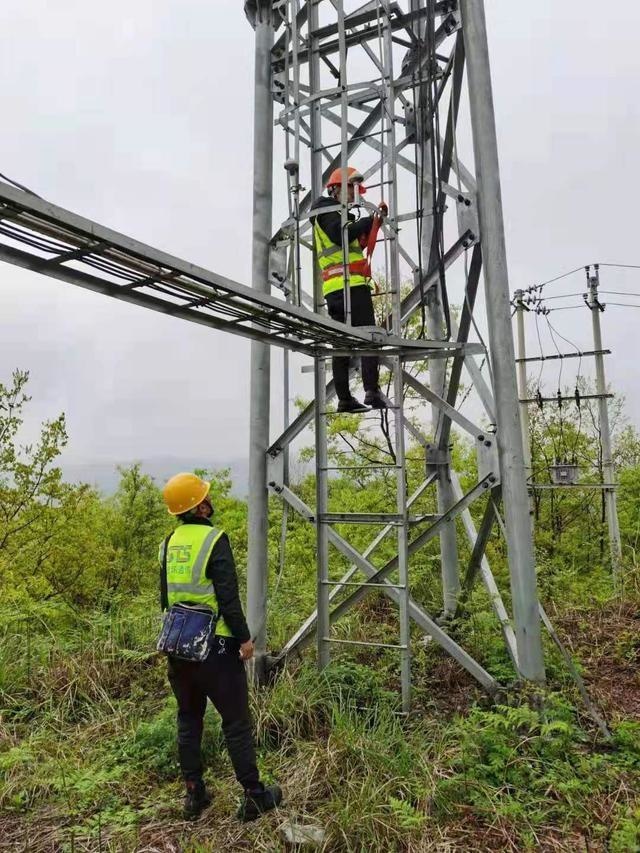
{"x": 87, "y": 724}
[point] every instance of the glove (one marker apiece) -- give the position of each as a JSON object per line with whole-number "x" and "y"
{"x": 383, "y": 210}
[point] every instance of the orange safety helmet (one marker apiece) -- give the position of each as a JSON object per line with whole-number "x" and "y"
{"x": 353, "y": 177}
{"x": 184, "y": 492}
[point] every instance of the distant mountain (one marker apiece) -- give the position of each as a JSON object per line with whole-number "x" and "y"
{"x": 104, "y": 474}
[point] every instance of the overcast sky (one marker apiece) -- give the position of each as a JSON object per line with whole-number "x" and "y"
{"x": 139, "y": 116}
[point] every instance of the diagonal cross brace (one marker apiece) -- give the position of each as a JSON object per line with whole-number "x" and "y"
{"x": 379, "y": 576}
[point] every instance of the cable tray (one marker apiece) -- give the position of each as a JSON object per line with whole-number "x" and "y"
{"x": 47, "y": 239}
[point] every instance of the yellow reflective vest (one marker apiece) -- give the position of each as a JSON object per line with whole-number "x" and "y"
{"x": 188, "y": 552}
{"x": 329, "y": 257}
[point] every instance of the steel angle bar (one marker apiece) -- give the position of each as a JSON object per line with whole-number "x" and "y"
{"x": 423, "y": 538}
{"x": 372, "y": 141}
{"x": 479, "y": 563}
{"x": 413, "y": 349}
{"x": 308, "y": 627}
{"x": 462, "y": 336}
{"x": 397, "y": 20}
{"x": 514, "y": 487}
{"x": 443, "y": 405}
{"x": 415, "y": 432}
{"x": 479, "y": 383}
{"x": 416, "y": 613}
{"x": 480, "y": 543}
{"x": 369, "y": 122}
{"x": 413, "y": 299}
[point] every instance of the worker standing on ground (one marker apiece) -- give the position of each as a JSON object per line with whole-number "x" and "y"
{"x": 327, "y": 232}
{"x": 198, "y": 571}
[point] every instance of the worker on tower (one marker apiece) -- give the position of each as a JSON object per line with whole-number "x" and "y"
{"x": 199, "y": 587}
{"x": 327, "y": 232}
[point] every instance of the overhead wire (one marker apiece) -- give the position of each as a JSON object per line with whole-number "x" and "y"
{"x": 624, "y": 304}
{"x": 557, "y": 278}
{"x": 565, "y": 295}
{"x": 18, "y": 185}
{"x": 436, "y": 160}
{"x": 552, "y": 331}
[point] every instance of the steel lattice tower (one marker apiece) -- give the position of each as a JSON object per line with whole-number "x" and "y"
{"x": 387, "y": 83}
{"x": 382, "y": 84}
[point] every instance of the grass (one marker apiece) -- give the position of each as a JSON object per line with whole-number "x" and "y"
{"x": 88, "y": 758}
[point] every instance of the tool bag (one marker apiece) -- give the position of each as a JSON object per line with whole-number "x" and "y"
{"x": 187, "y": 629}
{"x": 187, "y": 632}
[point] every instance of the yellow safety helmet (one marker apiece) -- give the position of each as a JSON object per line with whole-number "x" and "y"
{"x": 184, "y": 492}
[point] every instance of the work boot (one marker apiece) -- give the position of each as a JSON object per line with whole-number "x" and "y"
{"x": 376, "y": 399}
{"x": 351, "y": 405}
{"x": 196, "y": 799}
{"x": 258, "y": 801}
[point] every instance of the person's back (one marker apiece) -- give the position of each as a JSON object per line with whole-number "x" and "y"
{"x": 198, "y": 576}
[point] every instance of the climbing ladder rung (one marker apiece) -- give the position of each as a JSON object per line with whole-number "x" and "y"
{"x": 364, "y": 643}
{"x": 360, "y": 518}
{"x": 360, "y": 467}
{"x": 330, "y": 412}
{"x": 366, "y": 584}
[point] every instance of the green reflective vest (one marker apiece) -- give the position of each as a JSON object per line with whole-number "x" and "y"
{"x": 329, "y": 257}
{"x": 188, "y": 552}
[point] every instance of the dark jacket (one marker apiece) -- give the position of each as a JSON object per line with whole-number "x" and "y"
{"x": 221, "y": 571}
{"x": 331, "y": 223}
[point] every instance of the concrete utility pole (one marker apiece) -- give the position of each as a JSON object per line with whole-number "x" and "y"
{"x": 257, "y": 566}
{"x": 608, "y": 470}
{"x": 516, "y": 500}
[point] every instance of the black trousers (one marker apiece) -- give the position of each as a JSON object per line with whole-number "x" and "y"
{"x": 222, "y": 679}
{"x": 361, "y": 315}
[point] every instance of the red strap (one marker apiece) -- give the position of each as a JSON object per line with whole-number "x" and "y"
{"x": 373, "y": 237}
{"x": 360, "y": 267}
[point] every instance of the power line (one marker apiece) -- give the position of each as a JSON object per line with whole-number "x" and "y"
{"x": 624, "y": 304}
{"x": 566, "y": 295}
{"x": 622, "y": 266}
{"x": 557, "y": 278}
{"x": 18, "y": 185}
{"x": 570, "y": 307}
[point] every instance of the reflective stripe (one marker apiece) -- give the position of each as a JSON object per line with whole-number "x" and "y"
{"x": 329, "y": 257}
{"x": 330, "y": 250}
{"x": 198, "y": 565}
{"x": 196, "y": 589}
